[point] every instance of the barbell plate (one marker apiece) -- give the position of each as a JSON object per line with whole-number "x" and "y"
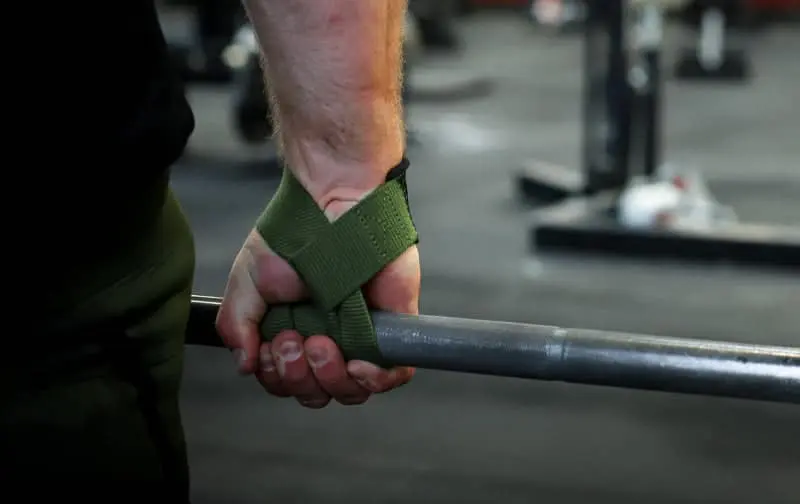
{"x": 633, "y": 361}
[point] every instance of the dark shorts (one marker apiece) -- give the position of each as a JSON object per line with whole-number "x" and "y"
{"x": 90, "y": 404}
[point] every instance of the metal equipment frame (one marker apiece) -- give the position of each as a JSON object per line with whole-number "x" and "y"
{"x": 577, "y": 208}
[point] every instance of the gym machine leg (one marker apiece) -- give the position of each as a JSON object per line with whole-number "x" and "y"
{"x": 645, "y": 79}
{"x": 606, "y": 100}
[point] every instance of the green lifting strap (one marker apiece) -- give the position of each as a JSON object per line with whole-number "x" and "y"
{"x": 335, "y": 259}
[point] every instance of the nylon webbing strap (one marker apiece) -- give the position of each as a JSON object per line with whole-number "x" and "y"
{"x": 335, "y": 259}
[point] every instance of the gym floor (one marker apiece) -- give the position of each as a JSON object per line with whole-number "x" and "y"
{"x": 464, "y": 439}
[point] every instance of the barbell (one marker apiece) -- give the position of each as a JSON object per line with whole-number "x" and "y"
{"x": 633, "y": 361}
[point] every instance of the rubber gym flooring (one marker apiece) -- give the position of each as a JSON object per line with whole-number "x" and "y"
{"x": 463, "y": 439}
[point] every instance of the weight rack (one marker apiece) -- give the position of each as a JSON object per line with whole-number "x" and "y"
{"x": 577, "y": 209}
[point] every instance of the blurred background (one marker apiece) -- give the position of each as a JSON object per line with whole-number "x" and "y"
{"x": 494, "y": 88}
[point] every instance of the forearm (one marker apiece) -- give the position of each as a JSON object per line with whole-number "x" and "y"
{"x": 333, "y": 68}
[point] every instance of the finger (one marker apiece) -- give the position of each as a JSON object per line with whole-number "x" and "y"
{"x": 240, "y": 314}
{"x": 330, "y": 370}
{"x": 377, "y": 379}
{"x": 267, "y": 373}
{"x": 403, "y": 375}
{"x": 295, "y": 373}
{"x": 395, "y": 378}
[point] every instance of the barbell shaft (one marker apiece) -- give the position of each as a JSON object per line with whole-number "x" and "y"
{"x": 768, "y": 373}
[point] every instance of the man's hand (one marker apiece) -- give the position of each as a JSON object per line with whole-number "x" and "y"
{"x": 313, "y": 371}
{"x": 334, "y": 73}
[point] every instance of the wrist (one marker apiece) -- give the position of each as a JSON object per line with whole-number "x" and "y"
{"x": 347, "y": 152}
{"x": 342, "y": 202}
{"x": 335, "y": 177}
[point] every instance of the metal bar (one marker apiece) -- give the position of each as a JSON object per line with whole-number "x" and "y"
{"x": 606, "y": 97}
{"x": 768, "y": 373}
{"x": 650, "y": 42}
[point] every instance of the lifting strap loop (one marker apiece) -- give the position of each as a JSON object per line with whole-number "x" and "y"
{"x": 335, "y": 259}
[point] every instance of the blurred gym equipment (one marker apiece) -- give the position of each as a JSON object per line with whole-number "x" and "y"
{"x": 252, "y": 117}
{"x": 561, "y": 15}
{"x": 767, "y": 12}
{"x": 434, "y": 21}
{"x": 606, "y": 131}
{"x": 622, "y": 141}
{"x": 200, "y": 58}
{"x": 719, "y": 50}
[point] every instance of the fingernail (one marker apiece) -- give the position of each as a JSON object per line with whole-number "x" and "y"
{"x": 289, "y": 351}
{"x": 317, "y": 357}
{"x": 267, "y": 366}
{"x": 367, "y": 384}
{"x": 361, "y": 369}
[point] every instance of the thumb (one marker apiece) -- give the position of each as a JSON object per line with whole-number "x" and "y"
{"x": 396, "y": 287}
{"x": 240, "y": 314}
